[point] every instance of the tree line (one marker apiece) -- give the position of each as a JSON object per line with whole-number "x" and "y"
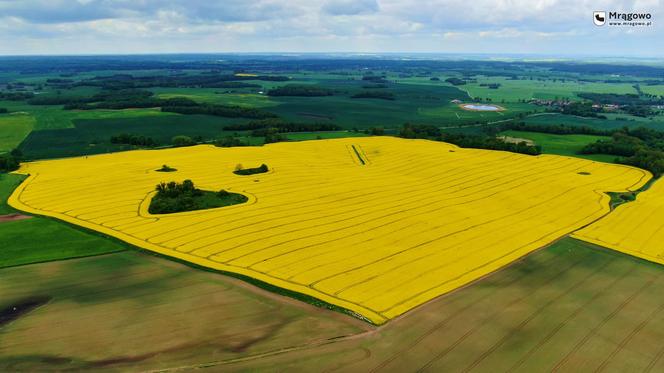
{"x": 422, "y": 131}
{"x": 138, "y": 98}
{"x": 136, "y": 140}
{"x": 228, "y": 111}
{"x": 641, "y": 147}
{"x": 212, "y": 80}
{"x": 282, "y": 126}
{"x": 16, "y": 96}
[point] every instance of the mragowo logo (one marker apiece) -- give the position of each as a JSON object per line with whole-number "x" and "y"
{"x": 600, "y": 18}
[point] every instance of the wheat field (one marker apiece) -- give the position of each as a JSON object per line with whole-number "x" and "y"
{"x": 374, "y": 225}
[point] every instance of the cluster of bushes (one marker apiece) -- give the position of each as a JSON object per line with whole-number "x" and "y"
{"x": 174, "y": 197}
{"x": 412, "y": 131}
{"x": 239, "y": 170}
{"x": 136, "y": 140}
{"x": 229, "y": 141}
{"x": 383, "y": 95}
{"x": 376, "y": 131}
{"x": 282, "y": 126}
{"x": 3, "y": 110}
{"x": 419, "y": 131}
{"x": 10, "y": 161}
{"x": 182, "y": 140}
{"x": 271, "y": 135}
{"x": 300, "y": 90}
{"x": 490, "y": 85}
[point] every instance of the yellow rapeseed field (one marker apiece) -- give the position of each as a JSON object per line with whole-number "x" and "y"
{"x": 636, "y": 228}
{"x": 375, "y": 225}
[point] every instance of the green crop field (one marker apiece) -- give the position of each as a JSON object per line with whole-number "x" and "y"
{"x": 547, "y": 89}
{"x": 92, "y": 136}
{"x": 13, "y": 129}
{"x": 619, "y": 121}
{"x": 8, "y": 182}
{"x": 569, "y": 145}
{"x": 132, "y": 311}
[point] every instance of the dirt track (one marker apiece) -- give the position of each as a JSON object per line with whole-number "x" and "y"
{"x": 13, "y": 217}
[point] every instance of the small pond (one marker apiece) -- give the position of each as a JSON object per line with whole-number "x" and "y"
{"x": 481, "y": 107}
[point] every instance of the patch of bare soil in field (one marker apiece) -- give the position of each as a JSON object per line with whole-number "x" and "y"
{"x": 13, "y": 217}
{"x": 516, "y": 140}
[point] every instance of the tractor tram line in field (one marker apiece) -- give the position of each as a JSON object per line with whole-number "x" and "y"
{"x": 487, "y": 320}
{"x": 366, "y": 213}
{"x": 306, "y": 204}
{"x": 351, "y": 209}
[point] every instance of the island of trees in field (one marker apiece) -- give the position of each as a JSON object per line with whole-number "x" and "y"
{"x": 175, "y": 197}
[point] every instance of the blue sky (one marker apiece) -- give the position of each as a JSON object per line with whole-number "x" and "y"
{"x": 551, "y": 27}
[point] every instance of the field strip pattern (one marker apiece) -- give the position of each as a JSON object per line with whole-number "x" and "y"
{"x": 417, "y": 220}
{"x": 636, "y": 228}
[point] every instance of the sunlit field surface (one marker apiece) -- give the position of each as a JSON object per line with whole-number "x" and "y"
{"x": 374, "y": 225}
{"x": 636, "y": 228}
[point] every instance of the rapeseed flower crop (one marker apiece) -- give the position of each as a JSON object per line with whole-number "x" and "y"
{"x": 375, "y": 225}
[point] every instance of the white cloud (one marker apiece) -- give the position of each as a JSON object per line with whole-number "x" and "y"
{"x": 489, "y": 26}
{"x": 350, "y": 7}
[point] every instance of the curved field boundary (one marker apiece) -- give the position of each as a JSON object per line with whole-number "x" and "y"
{"x": 635, "y": 228}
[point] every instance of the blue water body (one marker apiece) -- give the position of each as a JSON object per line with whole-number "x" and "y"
{"x": 481, "y": 107}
